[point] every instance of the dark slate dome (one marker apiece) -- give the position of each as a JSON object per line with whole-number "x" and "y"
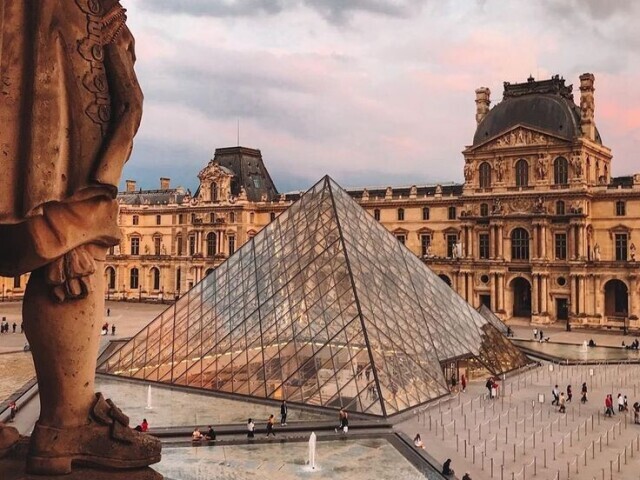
{"x": 547, "y": 105}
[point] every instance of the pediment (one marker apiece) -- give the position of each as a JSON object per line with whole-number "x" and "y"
{"x": 214, "y": 171}
{"x": 519, "y": 136}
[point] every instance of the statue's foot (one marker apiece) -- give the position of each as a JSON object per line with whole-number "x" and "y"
{"x": 9, "y": 437}
{"x": 70, "y": 275}
{"x": 105, "y": 441}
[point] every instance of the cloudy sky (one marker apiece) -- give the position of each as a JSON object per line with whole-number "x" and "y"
{"x": 372, "y": 92}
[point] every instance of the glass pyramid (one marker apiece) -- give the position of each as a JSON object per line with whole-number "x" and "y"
{"x": 323, "y": 307}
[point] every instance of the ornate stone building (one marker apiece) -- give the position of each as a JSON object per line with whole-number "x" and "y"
{"x": 539, "y": 229}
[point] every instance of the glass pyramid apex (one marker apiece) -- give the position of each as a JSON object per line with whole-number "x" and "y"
{"x": 323, "y": 307}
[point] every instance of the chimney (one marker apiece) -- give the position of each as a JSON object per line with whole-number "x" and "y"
{"x": 483, "y": 100}
{"x": 587, "y": 106}
{"x": 131, "y": 185}
{"x": 164, "y": 183}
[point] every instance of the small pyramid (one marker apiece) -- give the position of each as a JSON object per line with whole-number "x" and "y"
{"x": 322, "y": 307}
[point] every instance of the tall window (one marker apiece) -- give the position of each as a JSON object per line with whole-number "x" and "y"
{"x": 134, "y": 278}
{"x": 192, "y": 245}
{"x": 252, "y": 218}
{"x": 519, "y": 244}
{"x": 452, "y": 213}
{"x": 401, "y": 214}
{"x": 214, "y": 192}
{"x": 155, "y": 273}
{"x": 158, "y": 219}
{"x": 157, "y": 245}
{"x": 232, "y": 244}
{"x": 135, "y": 220}
{"x": 621, "y": 246}
{"x": 485, "y": 175}
{"x": 193, "y": 218}
{"x": 560, "y": 171}
{"x": 483, "y": 245}
{"x": 178, "y": 279}
{"x": 179, "y": 245}
{"x": 111, "y": 278}
{"x": 452, "y": 240}
{"x": 16, "y": 281}
{"x": 425, "y": 213}
{"x": 211, "y": 244}
{"x": 559, "y": 207}
{"x": 484, "y": 210}
{"x": 212, "y": 218}
{"x": 522, "y": 173}
{"x": 376, "y": 214}
{"x": 621, "y": 208}
{"x": 561, "y": 246}
{"x": 232, "y": 217}
{"x": 402, "y": 238}
{"x": 180, "y": 218}
{"x": 135, "y": 246}
{"x": 425, "y": 242}
{"x": 272, "y": 216}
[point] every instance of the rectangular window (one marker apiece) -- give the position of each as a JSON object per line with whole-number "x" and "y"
{"x": 158, "y": 219}
{"x": 621, "y": 246}
{"x": 16, "y": 282}
{"x": 561, "y": 246}
{"x": 483, "y": 245}
{"x": 157, "y": 246}
{"x": 452, "y": 240}
{"x": 452, "y": 213}
{"x": 192, "y": 245}
{"x": 180, "y": 218}
{"x": 376, "y": 214}
{"x": 425, "y": 243}
{"x": 135, "y": 246}
{"x": 401, "y": 238}
{"x": 179, "y": 246}
{"x": 621, "y": 208}
{"x": 178, "y": 280}
{"x": 232, "y": 245}
{"x": 425, "y": 213}
{"x": 401, "y": 214}
{"x": 136, "y": 220}
{"x": 193, "y": 218}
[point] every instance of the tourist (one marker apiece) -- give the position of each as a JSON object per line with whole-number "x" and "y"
{"x": 620, "y": 403}
{"x": 417, "y": 441}
{"x": 625, "y": 404}
{"x": 113, "y": 329}
{"x": 270, "y": 423}
{"x": 196, "y": 436}
{"x": 494, "y": 388}
{"x": 13, "y": 408}
{"x": 466, "y": 477}
{"x": 583, "y": 399}
{"x": 608, "y": 406}
{"x": 569, "y": 393}
{"x": 541, "y": 335}
{"x": 446, "y": 467}
{"x": 591, "y": 343}
{"x": 556, "y": 395}
{"x": 489, "y": 385}
{"x": 509, "y": 332}
{"x": 211, "y": 434}
{"x": 108, "y": 312}
{"x": 463, "y": 382}
{"x": 535, "y": 333}
{"x": 562, "y": 401}
{"x": 251, "y": 428}
{"x": 283, "y": 413}
{"x": 454, "y": 382}
{"x": 344, "y": 425}
{"x": 636, "y": 413}
{"x": 14, "y": 326}
{"x": 144, "y": 425}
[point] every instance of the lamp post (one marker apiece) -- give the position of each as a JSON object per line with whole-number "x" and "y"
{"x": 569, "y": 315}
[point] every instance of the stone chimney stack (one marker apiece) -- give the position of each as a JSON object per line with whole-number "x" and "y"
{"x": 165, "y": 183}
{"x": 483, "y": 100}
{"x": 587, "y": 106}
{"x": 131, "y": 185}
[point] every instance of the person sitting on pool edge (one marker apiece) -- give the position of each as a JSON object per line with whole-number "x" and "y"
{"x": 196, "y": 436}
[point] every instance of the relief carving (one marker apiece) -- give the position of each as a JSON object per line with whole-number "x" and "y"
{"x": 542, "y": 166}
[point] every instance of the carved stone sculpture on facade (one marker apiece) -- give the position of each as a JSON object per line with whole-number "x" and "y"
{"x": 468, "y": 172}
{"x": 576, "y": 164}
{"x": 632, "y": 252}
{"x": 541, "y": 166}
{"x": 70, "y": 108}
{"x": 499, "y": 166}
{"x": 596, "y": 252}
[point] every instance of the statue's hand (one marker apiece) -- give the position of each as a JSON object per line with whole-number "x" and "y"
{"x": 70, "y": 275}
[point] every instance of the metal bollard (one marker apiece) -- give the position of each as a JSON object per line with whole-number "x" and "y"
{"x": 514, "y": 452}
{"x": 457, "y": 444}
{"x": 473, "y": 454}
{"x": 465, "y": 449}
{"x": 491, "y": 463}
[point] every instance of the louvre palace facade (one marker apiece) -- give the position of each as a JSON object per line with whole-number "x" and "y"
{"x": 539, "y": 229}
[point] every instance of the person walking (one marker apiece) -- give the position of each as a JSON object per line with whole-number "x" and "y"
{"x": 636, "y": 413}
{"x": 583, "y": 399}
{"x": 13, "y": 408}
{"x": 556, "y": 396}
{"x": 625, "y": 404}
{"x": 569, "y": 393}
{"x": 113, "y": 329}
{"x": 535, "y": 333}
{"x": 489, "y": 385}
{"x": 454, "y": 382}
{"x": 562, "y": 402}
{"x": 541, "y": 334}
{"x": 283, "y": 413}
{"x": 270, "y": 423}
{"x": 14, "y": 326}
{"x": 251, "y": 429}
{"x": 463, "y": 383}
{"x": 108, "y": 312}
{"x": 608, "y": 406}
{"x": 620, "y": 403}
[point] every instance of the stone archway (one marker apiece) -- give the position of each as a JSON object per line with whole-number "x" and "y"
{"x": 521, "y": 293}
{"x": 445, "y": 279}
{"x": 616, "y": 298}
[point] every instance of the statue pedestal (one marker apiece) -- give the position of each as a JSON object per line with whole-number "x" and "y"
{"x": 13, "y": 468}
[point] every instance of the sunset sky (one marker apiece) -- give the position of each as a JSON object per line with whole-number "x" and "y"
{"x": 371, "y": 92}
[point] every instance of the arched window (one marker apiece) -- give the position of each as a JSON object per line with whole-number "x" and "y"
{"x": 484, "y": 210}
{"x": 211, "y": 244}
{"x": 559, "y": 207}
{"x": 111, "y": 278}
{"x": 134, "y": 278}
{"x": 560, "y": 171}
{"x": 519, "y": 244}
{"x": 522, "y": 173}
{"x": 485, "y": 175}
{"x": 401, "y": 214}
{"x": 425, "y": 213}
{"x": 155, "y": 274}
{"x": 214, "y": 191}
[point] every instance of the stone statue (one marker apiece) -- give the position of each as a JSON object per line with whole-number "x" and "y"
{"x": 576, "y": 163}
{"x": 429, "y": 253}
{"x": 632, "y": 252}
{"x": 499, "y": 169}
{"x": 596, "y": 252}
{"x": 365, "y": 195}
{"x": 541, "y": 167}
{"x": 69, "y": 110}
{"x": 539, "y": 205}
{"x": 468, "y": 172}
{"x": 497, "y": 207}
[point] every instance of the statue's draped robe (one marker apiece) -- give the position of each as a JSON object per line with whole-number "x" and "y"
{"x": 69, "y": 107}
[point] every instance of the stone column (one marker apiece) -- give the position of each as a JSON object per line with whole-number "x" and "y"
{"x": 500, "y": 242}
{"x": 492, "y": 242}
{"x": 471, "y": 242}
{"x": 535, "y": 297}
{"x": 570, "y": 246}
{"x": 543, "y": 241}
{"x": 633, "y": 295}
{"x": 544, "y": 305}
{"x": 580, "y": 242}
{"x": 534, "y": 250}
{"x": 494, "y": 295}
{"x": 582, "y": 293}
{"x": 500, "y": 281}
